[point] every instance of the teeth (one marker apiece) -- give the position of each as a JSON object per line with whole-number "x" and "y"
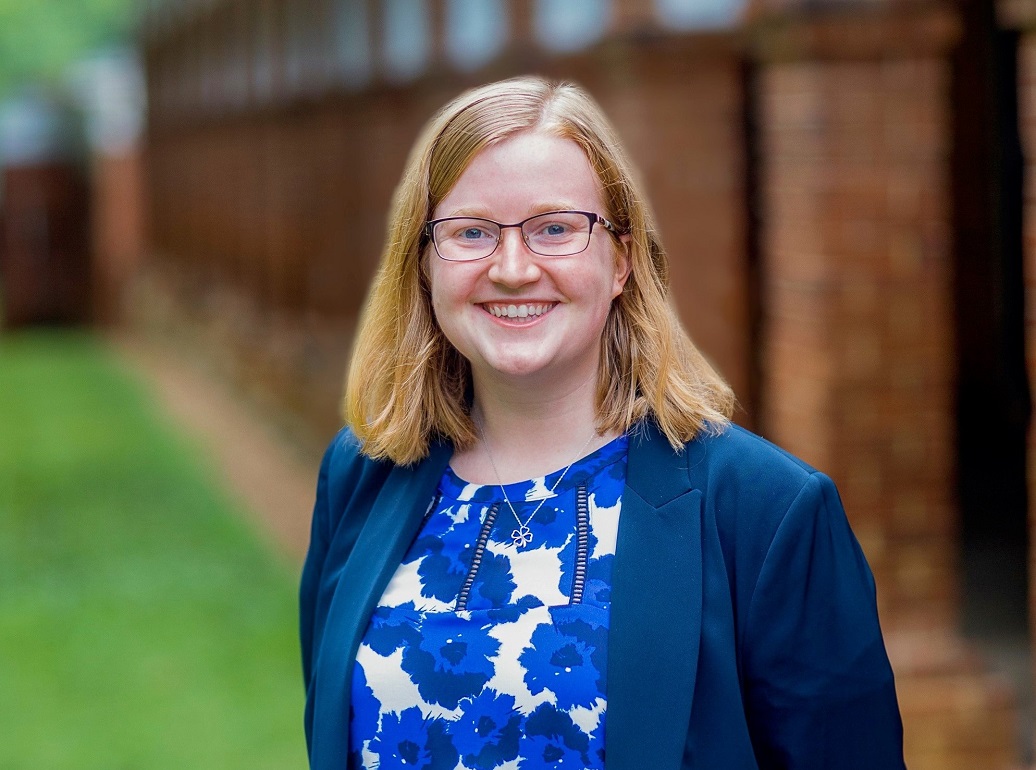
{"x": 517, "y": 311}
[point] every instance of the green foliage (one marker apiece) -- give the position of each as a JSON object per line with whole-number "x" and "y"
{"x": 40, "y": 38}
{"x": 142, "y": 622}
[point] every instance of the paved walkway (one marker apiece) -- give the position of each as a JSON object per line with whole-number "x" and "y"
{"x": 273, "y": 479}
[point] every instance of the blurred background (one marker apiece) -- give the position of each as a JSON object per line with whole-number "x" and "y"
{"x": 192, "y": 201}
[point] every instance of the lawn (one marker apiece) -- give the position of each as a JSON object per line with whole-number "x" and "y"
{"x": 143, "y": 623}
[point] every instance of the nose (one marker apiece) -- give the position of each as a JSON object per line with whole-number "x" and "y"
{"x": 513, "y": 265}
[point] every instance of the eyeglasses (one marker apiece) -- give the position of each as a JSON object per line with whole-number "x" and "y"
{"x": 553, "y": 234}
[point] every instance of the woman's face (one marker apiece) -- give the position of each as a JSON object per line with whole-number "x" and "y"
{"x": 560, "y": 303}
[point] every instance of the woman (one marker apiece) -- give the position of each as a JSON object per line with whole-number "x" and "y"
{"x": 541, "y": 543}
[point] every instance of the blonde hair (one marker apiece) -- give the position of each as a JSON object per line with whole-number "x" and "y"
{"x": 408, "y": 384}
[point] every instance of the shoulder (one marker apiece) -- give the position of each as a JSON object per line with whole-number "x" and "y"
{"x": 736, "y": 455}
{"x": 728, "y": 459}
{"x": 351, "y": 480}
{"x": 347, "y": 475}
{"x": 747, "y": 484}
{"x": 760, "y": 474}
{"x": 753, "y": 490}
{"x": 344, "y": 458}
{"x": 344, "y": 453}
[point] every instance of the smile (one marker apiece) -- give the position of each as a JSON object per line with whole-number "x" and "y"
{"x": 518, "y": 311}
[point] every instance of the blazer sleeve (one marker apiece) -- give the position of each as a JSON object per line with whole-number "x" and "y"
{"x": 312, "y": 568}
{"x": 819, "y": 690}
{"x": 346, "y": 486}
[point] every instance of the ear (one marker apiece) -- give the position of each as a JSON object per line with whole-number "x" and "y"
{"x": 623, "y": 264}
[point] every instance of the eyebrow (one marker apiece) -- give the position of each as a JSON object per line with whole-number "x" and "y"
{"x": 478, "y": 212}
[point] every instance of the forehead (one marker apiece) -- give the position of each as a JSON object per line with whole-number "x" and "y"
{"x": 528, "y": 172}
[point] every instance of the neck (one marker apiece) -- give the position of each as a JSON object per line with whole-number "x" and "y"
{"x": 529, "y": 432}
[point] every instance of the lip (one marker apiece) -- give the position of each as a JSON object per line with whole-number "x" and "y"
{"x": 518, "y": 312}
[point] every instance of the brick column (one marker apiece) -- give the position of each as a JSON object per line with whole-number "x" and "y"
{"x": 632, "y": 16}
{"x": 437, "y": 31}
{"x": 855, "y": 132}
{"x": 1021, "y": 15}
{"x": 521, "y": 27}
{"x": 1027, "y": 114}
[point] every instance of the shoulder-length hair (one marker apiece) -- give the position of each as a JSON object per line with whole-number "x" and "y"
{"x": 407, "y": 384}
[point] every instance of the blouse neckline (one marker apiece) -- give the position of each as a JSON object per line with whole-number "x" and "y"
{"x": 454, "y": 487}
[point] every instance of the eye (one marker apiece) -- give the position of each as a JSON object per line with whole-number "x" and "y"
{"x": 551, "y": 228}
{"x": 556, "y": 228}
{"x": 466, "y": 232}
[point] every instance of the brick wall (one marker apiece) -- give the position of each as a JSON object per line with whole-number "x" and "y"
{"x": 1027, "y": 112}
{"x": 858, "y": 347}
{"x": 116, "y": 228}
{"x": 44, "y": 244}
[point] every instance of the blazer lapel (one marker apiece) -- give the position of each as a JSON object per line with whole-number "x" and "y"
{"x": 394, "y": 521}
{"x": 655, "y": 626}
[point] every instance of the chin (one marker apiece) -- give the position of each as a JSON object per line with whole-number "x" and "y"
{"x": 516, "y": 366}
{"x": 520, "y": 369}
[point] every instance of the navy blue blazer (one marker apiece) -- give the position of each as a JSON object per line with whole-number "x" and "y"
{"x": 743, "y": 633}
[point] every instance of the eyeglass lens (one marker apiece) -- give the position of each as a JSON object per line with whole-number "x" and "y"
{"x": 554, "y": 234}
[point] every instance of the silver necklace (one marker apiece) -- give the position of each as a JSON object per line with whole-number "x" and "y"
{"x": 522, "y": 536}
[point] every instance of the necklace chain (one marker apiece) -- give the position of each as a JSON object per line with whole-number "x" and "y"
{"x": 522, "y": 536}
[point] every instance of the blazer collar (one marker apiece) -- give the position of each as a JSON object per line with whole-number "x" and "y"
{"x": 656, "y": 472}
{"x": 655, "y": 624}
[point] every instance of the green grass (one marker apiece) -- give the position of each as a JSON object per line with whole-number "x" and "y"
{"x": 143, "y": 624}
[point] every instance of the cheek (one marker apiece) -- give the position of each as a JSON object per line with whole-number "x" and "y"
{"x": 434, "y": 279}
{"x": 449, "y": 290}
{"x": 427, "y": 267}
{"x": 431, "y": 300}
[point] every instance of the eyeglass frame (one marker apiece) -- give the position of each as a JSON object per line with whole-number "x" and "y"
{"x": 592, "y": 216}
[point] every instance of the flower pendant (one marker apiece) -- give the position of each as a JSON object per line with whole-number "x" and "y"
{"x": 521, "y": 536}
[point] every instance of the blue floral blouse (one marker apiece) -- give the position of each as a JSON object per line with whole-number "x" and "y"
{"x": 482, "y": 654}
